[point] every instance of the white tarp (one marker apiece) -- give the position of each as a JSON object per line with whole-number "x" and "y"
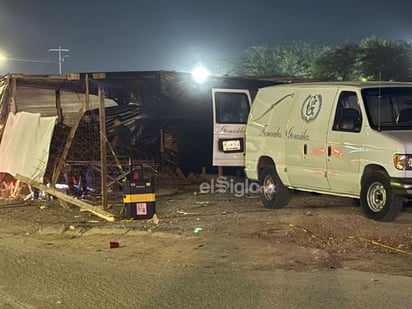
{"x": 25, "y": 145}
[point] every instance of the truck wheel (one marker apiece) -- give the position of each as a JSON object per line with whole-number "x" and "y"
{"x": 273, "y": 193}
{"x": 377, "y": 199}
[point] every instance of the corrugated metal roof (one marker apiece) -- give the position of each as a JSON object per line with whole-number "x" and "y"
{"x": 43, "y": 101}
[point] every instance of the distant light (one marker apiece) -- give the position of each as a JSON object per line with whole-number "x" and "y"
{"x": 200, "y": 74}
{"x": 2, "y": 58}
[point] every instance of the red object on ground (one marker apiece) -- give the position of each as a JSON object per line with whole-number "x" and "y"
{"x": 113, "y": 244}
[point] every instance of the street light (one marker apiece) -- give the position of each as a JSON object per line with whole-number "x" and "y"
{"x": 60, "y": 58}
{"x": 200, "y": 74}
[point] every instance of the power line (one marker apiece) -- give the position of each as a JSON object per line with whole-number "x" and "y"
{"x": 28, "y": 60}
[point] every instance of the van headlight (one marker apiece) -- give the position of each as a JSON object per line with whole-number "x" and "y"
{"x": 402, "y": 161}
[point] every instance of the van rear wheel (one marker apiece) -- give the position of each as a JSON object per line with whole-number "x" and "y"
{"x": 273, "y": 193}
{"x": 377, "y": 199}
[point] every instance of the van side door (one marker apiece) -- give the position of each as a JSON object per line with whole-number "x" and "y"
{"x": 345, "y": 138}
{"x": 230, "y": 113}
{"x": 306, "y": 138}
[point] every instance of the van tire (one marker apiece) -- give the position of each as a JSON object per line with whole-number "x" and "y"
{"x": 377, "y": 199}
{"x": 270, "y": 181}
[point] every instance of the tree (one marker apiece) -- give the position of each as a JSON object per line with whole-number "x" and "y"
{"x": 371, "y": 59}
{"x": 296, "y": 58}
{"x": 380, "y": 59}
{"x": 335, "y": 63}
{"x": 258, "y": 61}
{"x": 293, "y": 58}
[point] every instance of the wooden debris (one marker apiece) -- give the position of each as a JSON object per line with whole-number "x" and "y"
{"x": 186, "y": 213}
{"x": 155, "y": 219}
{"x": 16, "y": 190}
{"x": 69, "y": 199}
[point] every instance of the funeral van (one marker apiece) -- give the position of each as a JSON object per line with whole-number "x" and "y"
{"x": 351, "y": 139}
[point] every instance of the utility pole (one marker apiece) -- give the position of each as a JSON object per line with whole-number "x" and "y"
{"x": 60, "y": 58}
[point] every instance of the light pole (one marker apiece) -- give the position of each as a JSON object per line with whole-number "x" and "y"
{"x": 60, "y": 58}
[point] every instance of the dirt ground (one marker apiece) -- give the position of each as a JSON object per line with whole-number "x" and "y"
{"x": 205, "y": 251}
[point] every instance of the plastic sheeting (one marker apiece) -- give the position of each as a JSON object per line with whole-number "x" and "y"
{"x": 24, "y": 148}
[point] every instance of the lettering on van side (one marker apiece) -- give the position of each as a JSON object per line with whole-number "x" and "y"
{"x": 300, "y": 135}
{"x": 290, "y": 133}
{"x": 265, "y": 133}
{"x": 226, "y": 130}
{"x": 311, "y": 107}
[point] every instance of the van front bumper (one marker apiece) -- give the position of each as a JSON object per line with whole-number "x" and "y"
{"x": 402, "y": 186}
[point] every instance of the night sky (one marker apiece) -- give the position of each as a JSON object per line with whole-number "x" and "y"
{"x": 126, "y": 35}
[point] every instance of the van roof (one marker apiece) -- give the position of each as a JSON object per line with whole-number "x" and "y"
{"x": 354, "y": 84}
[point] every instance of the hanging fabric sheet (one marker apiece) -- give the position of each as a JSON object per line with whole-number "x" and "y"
{"x": 25, "y": 145}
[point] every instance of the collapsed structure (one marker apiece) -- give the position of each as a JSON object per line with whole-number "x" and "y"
{"x": 168, "y": 114}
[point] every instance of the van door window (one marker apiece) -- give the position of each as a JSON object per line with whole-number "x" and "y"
{"x": 348, "y": 117}
{"x": 231, "y": 107}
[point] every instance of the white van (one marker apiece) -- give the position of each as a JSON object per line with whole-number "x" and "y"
{"x": 350, "y": 139}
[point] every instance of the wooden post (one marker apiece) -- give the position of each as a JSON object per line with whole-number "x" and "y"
{"x": 12, "y": 93}
{"x": 103, "y": 159}
{"x": 87, "y": 99}
{"x": 59, "y": 107}
{"x": 220, "y": 171}
{"x": 162, "y": 143}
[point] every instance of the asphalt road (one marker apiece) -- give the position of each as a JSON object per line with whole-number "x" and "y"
{"x": 79, "y": 273}
{"x": 243, "y": 256}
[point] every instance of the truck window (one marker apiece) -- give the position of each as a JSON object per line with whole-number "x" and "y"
{"x": 348, "y": 117}
{"x": 231, "y": 107}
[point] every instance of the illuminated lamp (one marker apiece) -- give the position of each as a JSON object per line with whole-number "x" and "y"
{"x": 200, "y": 74}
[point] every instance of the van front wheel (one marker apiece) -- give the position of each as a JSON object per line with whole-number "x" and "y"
{"x": 273, "y": 193}
{"x": 377, "y": 199}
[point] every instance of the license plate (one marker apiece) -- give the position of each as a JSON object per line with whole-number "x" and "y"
{"x": 231, "y": 145}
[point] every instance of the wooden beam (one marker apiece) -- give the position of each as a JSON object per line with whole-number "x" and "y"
{"x": 69, "y": 199}
{"x": 220, "y": 171}
{"x": 59, "y": 165}
{"x": 59, "y": 107}
{"x": 87, "y": 94}
{"x": 12, "y": 108}
{"x": 103, "y": 152}
{"x": 162, "y": 143}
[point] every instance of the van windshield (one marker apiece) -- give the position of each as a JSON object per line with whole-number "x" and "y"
{"x": 389, "y": 108}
